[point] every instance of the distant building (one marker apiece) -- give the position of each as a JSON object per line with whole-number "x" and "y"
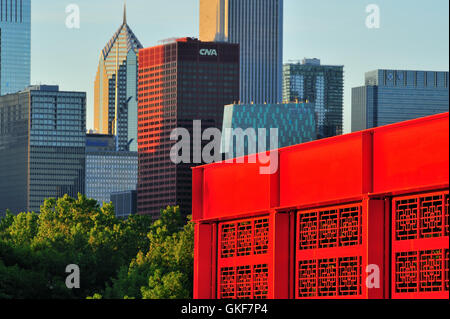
{"x": 125, "y": 203}
{"x": 108, "y": 171}
{"x": 295, "y": 123}
{"x": 257, "y": 26}
{"x": 100, "y": 143}
{"x": 391, "y": 96}
{"x": 179, "y": 82}
{"x": 115, "y": 91}
{"x": 42, "y": 146}
{"x": 15, "y": 45}
{"x": 322, "y": 85}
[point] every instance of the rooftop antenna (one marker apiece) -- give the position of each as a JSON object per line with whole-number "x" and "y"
{"x": 125, "y": 12}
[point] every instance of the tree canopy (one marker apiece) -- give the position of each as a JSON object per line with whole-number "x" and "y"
{"x": 132, "y": 258}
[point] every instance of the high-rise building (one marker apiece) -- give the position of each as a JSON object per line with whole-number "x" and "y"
{"x": 42, "y": 146}
{"x": 107, "y": 170}
{"x": 15, "y": 45}
{"x": 322, "y": 85}
{"x": 295, "y": 124}
{"x": 115, "y": 89}
{"x": 179, "y": 82}
{"x": 391, "y": 96}
{"x": 257, "y": 26}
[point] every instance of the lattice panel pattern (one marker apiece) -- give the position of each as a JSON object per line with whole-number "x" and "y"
{"x": 244, "y": 259}
{"x": 337, "y": 227}
{"x": 420, "y": 221}
{"x": 244, "y": 238}
{"x": 333, "y": 230}
{"x": 424, "y": 271}
{"x": 419, "y": 217}
{"x": 244, "y": 282}
{"x": 329, "y": 277}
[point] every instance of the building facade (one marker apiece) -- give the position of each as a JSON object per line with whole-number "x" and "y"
{"x": 322, "y": 85}
{"x": 295, "y": 124}
{"x": 391, "y": 96}
{"x": 115, "y": 88}
{"x": 257, "y": 26}
{"x": 125, "y": 203}
{"x": 179, "y": 82}
{"x": 42, "y": 146}
{"x": 15, "y": 45}
{"x": 107, "y": 170}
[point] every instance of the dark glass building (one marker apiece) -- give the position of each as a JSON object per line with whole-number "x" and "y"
{"x": 125, "y": 203}
{"x": 295, "y": 123}
{"x": 42, "y": 146}
{"x": 322, "y": 85}
{"x": 391, "y": 96}
{"x": 15, "y": 45}
{"x": 179, "y": 82}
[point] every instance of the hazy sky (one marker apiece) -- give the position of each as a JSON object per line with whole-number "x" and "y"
{"x": 413, "y": 35}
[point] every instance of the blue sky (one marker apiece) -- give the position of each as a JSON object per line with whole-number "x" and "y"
{"x": 413, "y": 35}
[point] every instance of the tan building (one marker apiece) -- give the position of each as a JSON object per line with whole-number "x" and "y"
{"x": 257, "y": 26}
{"x": 115, "y": 88}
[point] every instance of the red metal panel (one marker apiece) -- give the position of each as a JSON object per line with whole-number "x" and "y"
{"x": 234, "y": 188}
{"x": 245, "y": 259}
{"x": 323, "y": 170}
{"x": 332, "y": 246}
{"x": 420, "y": 246}
{"x": 333, "y": 251}
{"x": 410, "y": 155}
{"x": 203, "y": 266}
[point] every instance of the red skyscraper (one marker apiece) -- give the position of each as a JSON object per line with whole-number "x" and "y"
{"x": 179, "y": 82}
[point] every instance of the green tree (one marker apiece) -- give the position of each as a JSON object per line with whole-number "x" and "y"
{"x": 165, "y": 271}
{"x": 35, "y": 249}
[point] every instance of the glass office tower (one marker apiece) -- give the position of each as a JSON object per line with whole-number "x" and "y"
{"x": 295, "y": 123}
{"x": 391, "y": 96}
{"x": 15, "y": 45}
{"x": 42, "y": 146}
{"x": 107, "y": 170}
{"x": 179, "y": 82}
{"x": 257, "y": 26}
{"x": 322, "y": 85}
{"x": 115, "y": 88}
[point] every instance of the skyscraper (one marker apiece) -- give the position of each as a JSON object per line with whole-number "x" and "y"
{"x": 322, "y": 85}
{"x": 42, "y": 146}
{"x": 179, "y": 82}
{"x": 115, "y": 89}
{"x": 257, "y": 26}
{"x": 15, "y": 45}
{"x": 295, "y": 123}
{"x": 391, "y": 96}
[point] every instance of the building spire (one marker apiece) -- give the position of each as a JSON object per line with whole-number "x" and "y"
{"x": 125, "y": 12}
